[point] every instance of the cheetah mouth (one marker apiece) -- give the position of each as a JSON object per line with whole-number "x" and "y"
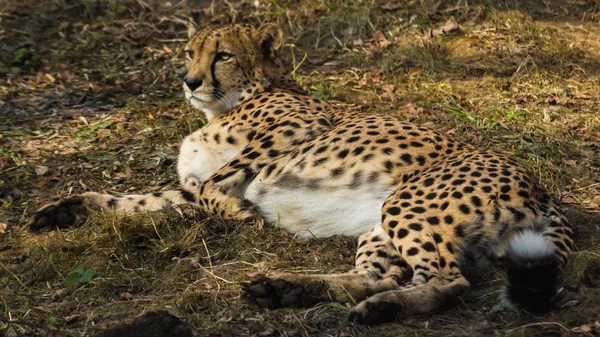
{"x": 200, "y": 98}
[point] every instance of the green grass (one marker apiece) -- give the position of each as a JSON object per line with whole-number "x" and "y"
{"x": 91, "y": 91}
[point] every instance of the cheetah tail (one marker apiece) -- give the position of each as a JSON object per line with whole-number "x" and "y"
{"x": 533, "y": 272}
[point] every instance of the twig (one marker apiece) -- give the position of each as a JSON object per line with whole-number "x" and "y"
{"x": 33, "y": 325}
{"x": 538, "y": 324}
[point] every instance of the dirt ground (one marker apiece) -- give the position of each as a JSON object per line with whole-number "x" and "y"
{"x": 91, "y": 100}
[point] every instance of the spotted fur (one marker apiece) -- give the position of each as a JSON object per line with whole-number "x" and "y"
{"x": 423, "y": 205}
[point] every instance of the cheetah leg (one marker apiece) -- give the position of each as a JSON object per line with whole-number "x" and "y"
{"x": 378, "y": 268}
{"x": 73, "y": 210}
{"x": 431, "y": 252}
{"x": 220, "y": 195}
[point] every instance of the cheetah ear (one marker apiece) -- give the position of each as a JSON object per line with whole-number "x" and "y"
{"x": 270, "y": 39}
{"x": 192, "y": 29}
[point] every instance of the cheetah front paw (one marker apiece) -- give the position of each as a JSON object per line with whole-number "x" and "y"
{"x": 63, "y": 213}
{"x": 284, "y": 290}
{"x": 373, "y": 312}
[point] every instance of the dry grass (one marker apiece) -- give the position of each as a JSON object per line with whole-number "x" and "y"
{"x": 90, "y": 100}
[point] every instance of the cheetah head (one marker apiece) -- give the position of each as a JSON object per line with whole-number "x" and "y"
{"x": 228, "y": 65}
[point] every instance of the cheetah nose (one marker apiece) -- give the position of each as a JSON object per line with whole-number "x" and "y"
{"x": 192, "y": 83}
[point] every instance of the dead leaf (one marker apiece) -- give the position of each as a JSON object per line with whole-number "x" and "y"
{"x": 41, "y": 170}
{"x": 585, "y": 328}
{"x": 392, "y": 6}
{"x": 450, "y": 26}
{"x": 587, "y": 153}
{"x": 446, "y": 28}
{"x": 85, "y": 187}
{"x": 3, "y": 227}
{"x": 358, "y": 42}
{"x": 167, "y": 49}
{"x": 267, "y": 332}
{"x": 112, "y": 31}
{"x": 570, "y": 162}
{"x": 380, "y": 39}
{"x": 388, "y": 91}
{"x": 50, "y": 78}
{"x": 41, "y": 184}
{"x": 71, "y": 318}
{"x": 414, "y": 72}
{"x": 125, "y": 296}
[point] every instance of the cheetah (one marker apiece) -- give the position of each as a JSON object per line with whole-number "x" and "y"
{"x": 422, "y": 204}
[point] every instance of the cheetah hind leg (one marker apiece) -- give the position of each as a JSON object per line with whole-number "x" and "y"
{"x": 378, "y": 268}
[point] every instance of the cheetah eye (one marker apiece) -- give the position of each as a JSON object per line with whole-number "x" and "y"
{"x": 222, "y": 56}
{"x": 189, "y": 54}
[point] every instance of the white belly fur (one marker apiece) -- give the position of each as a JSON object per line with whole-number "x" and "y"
{"x": 199, "y": 160}
{"x": 323, "y": 212}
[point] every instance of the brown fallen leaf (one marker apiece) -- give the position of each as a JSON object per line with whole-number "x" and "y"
{"x": 41, "y": 170}
{"x": 388, "y": 91}
{"x": 125, "y": 296}
{"x": 50, "y": 78}
{"x": 267, "y": 332}
{"x": 112, "y": 31}
{"x": 392, "y": 6}
{"x": 380, "y": 39}
{"x": 3, "y": 227}
{"x": 570, "y": 162}
{"x": 446, "y": 28}
{"x": 358, "y": 42}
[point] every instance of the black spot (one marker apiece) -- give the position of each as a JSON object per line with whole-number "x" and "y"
{"x": 402, "y": 233}
{"x": 457, "y": 195}
{"x": 253, "y": 155}
{"x": 418, "y": 210}
{"x": 415, "y": 226}
{"x": 428, "y": 246}
{"x": 394, "y": 210}
{"x": 188, "y": 196}
{"x": 431, "y": 196}
{"x": 458, "y": 182}
{"x": 112, "y": 202}
{"x": 358, "y": 150}
{"x": 157, "y": 194}
{"x": 407, "y": 158}
{"x": 459, "y": 231}
{"x": 405, "y": 195}
{"x": 437, "y": 238}
{"x": 448, "y": 219}
{"x": 412, "y": 252}
{"x": 433, "y": 220}
{"x": 336, "y": 172}
{"x": 428, "y": 182}
{"x": 449, "y": 247}
{"x": 476, "y": 201}
{"x": 464, "y": 208}
{"x": 382, "y": 254}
